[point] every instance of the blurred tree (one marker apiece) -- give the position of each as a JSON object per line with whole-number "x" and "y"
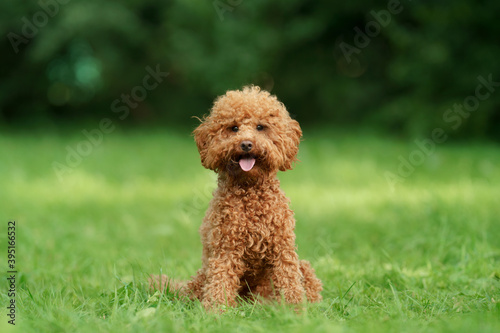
{"x": 398, "y": 66}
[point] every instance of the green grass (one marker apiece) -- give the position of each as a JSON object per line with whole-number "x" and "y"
{"x": 424, "y": 256}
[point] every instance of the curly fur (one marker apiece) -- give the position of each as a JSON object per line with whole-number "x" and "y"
{"x": 248, "y": 231}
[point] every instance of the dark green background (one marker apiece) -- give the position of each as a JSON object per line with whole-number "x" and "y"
{"x": 84, "y": 55}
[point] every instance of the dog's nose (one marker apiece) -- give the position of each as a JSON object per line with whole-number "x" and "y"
{"x": 246, "y": 146}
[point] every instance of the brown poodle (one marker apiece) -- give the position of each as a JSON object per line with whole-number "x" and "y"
{"x": 248, "y": 230}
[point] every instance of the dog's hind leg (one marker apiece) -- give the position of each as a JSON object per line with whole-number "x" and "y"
{"x": 194, "y": 287}
{"x": 312, "y": 284}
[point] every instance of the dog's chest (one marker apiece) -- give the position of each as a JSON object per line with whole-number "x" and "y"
{"x": 252, "y": 221}
{"x": 260, "y": 220}
{"x": 257, "y": 236}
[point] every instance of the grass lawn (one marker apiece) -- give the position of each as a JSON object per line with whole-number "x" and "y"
{"x": 422, "y": 256}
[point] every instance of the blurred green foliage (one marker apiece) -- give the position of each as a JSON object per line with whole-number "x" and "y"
{"x": 423, "y": 256}
{"x": 75, "y": 58}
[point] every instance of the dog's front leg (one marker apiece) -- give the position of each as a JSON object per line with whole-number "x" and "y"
{"x": 223, "y": 281}
{"x": 286, "y": 278}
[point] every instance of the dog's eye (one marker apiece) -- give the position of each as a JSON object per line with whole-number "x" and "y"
{"x": 260, "y": 127}
{"x": 234, "y": 128}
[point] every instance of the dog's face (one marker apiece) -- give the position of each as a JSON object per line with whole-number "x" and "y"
{"x": 248, "y": 134}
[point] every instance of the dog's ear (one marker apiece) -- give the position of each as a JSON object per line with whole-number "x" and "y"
{"x": 293, "y": 135}
{"x": 203, "y": 138}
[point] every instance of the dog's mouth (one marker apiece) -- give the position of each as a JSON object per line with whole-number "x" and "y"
{"x": 246, "y": 162}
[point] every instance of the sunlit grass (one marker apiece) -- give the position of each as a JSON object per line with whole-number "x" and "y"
{"x": 421, "y": 256}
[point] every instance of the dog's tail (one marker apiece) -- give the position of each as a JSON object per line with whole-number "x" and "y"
{"x": 163, "y": 283}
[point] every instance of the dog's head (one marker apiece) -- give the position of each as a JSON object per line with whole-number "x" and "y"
{"x": 248, "y": 134}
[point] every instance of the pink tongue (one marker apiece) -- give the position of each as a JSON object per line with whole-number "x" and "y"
{"x": 247, "y": 163}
